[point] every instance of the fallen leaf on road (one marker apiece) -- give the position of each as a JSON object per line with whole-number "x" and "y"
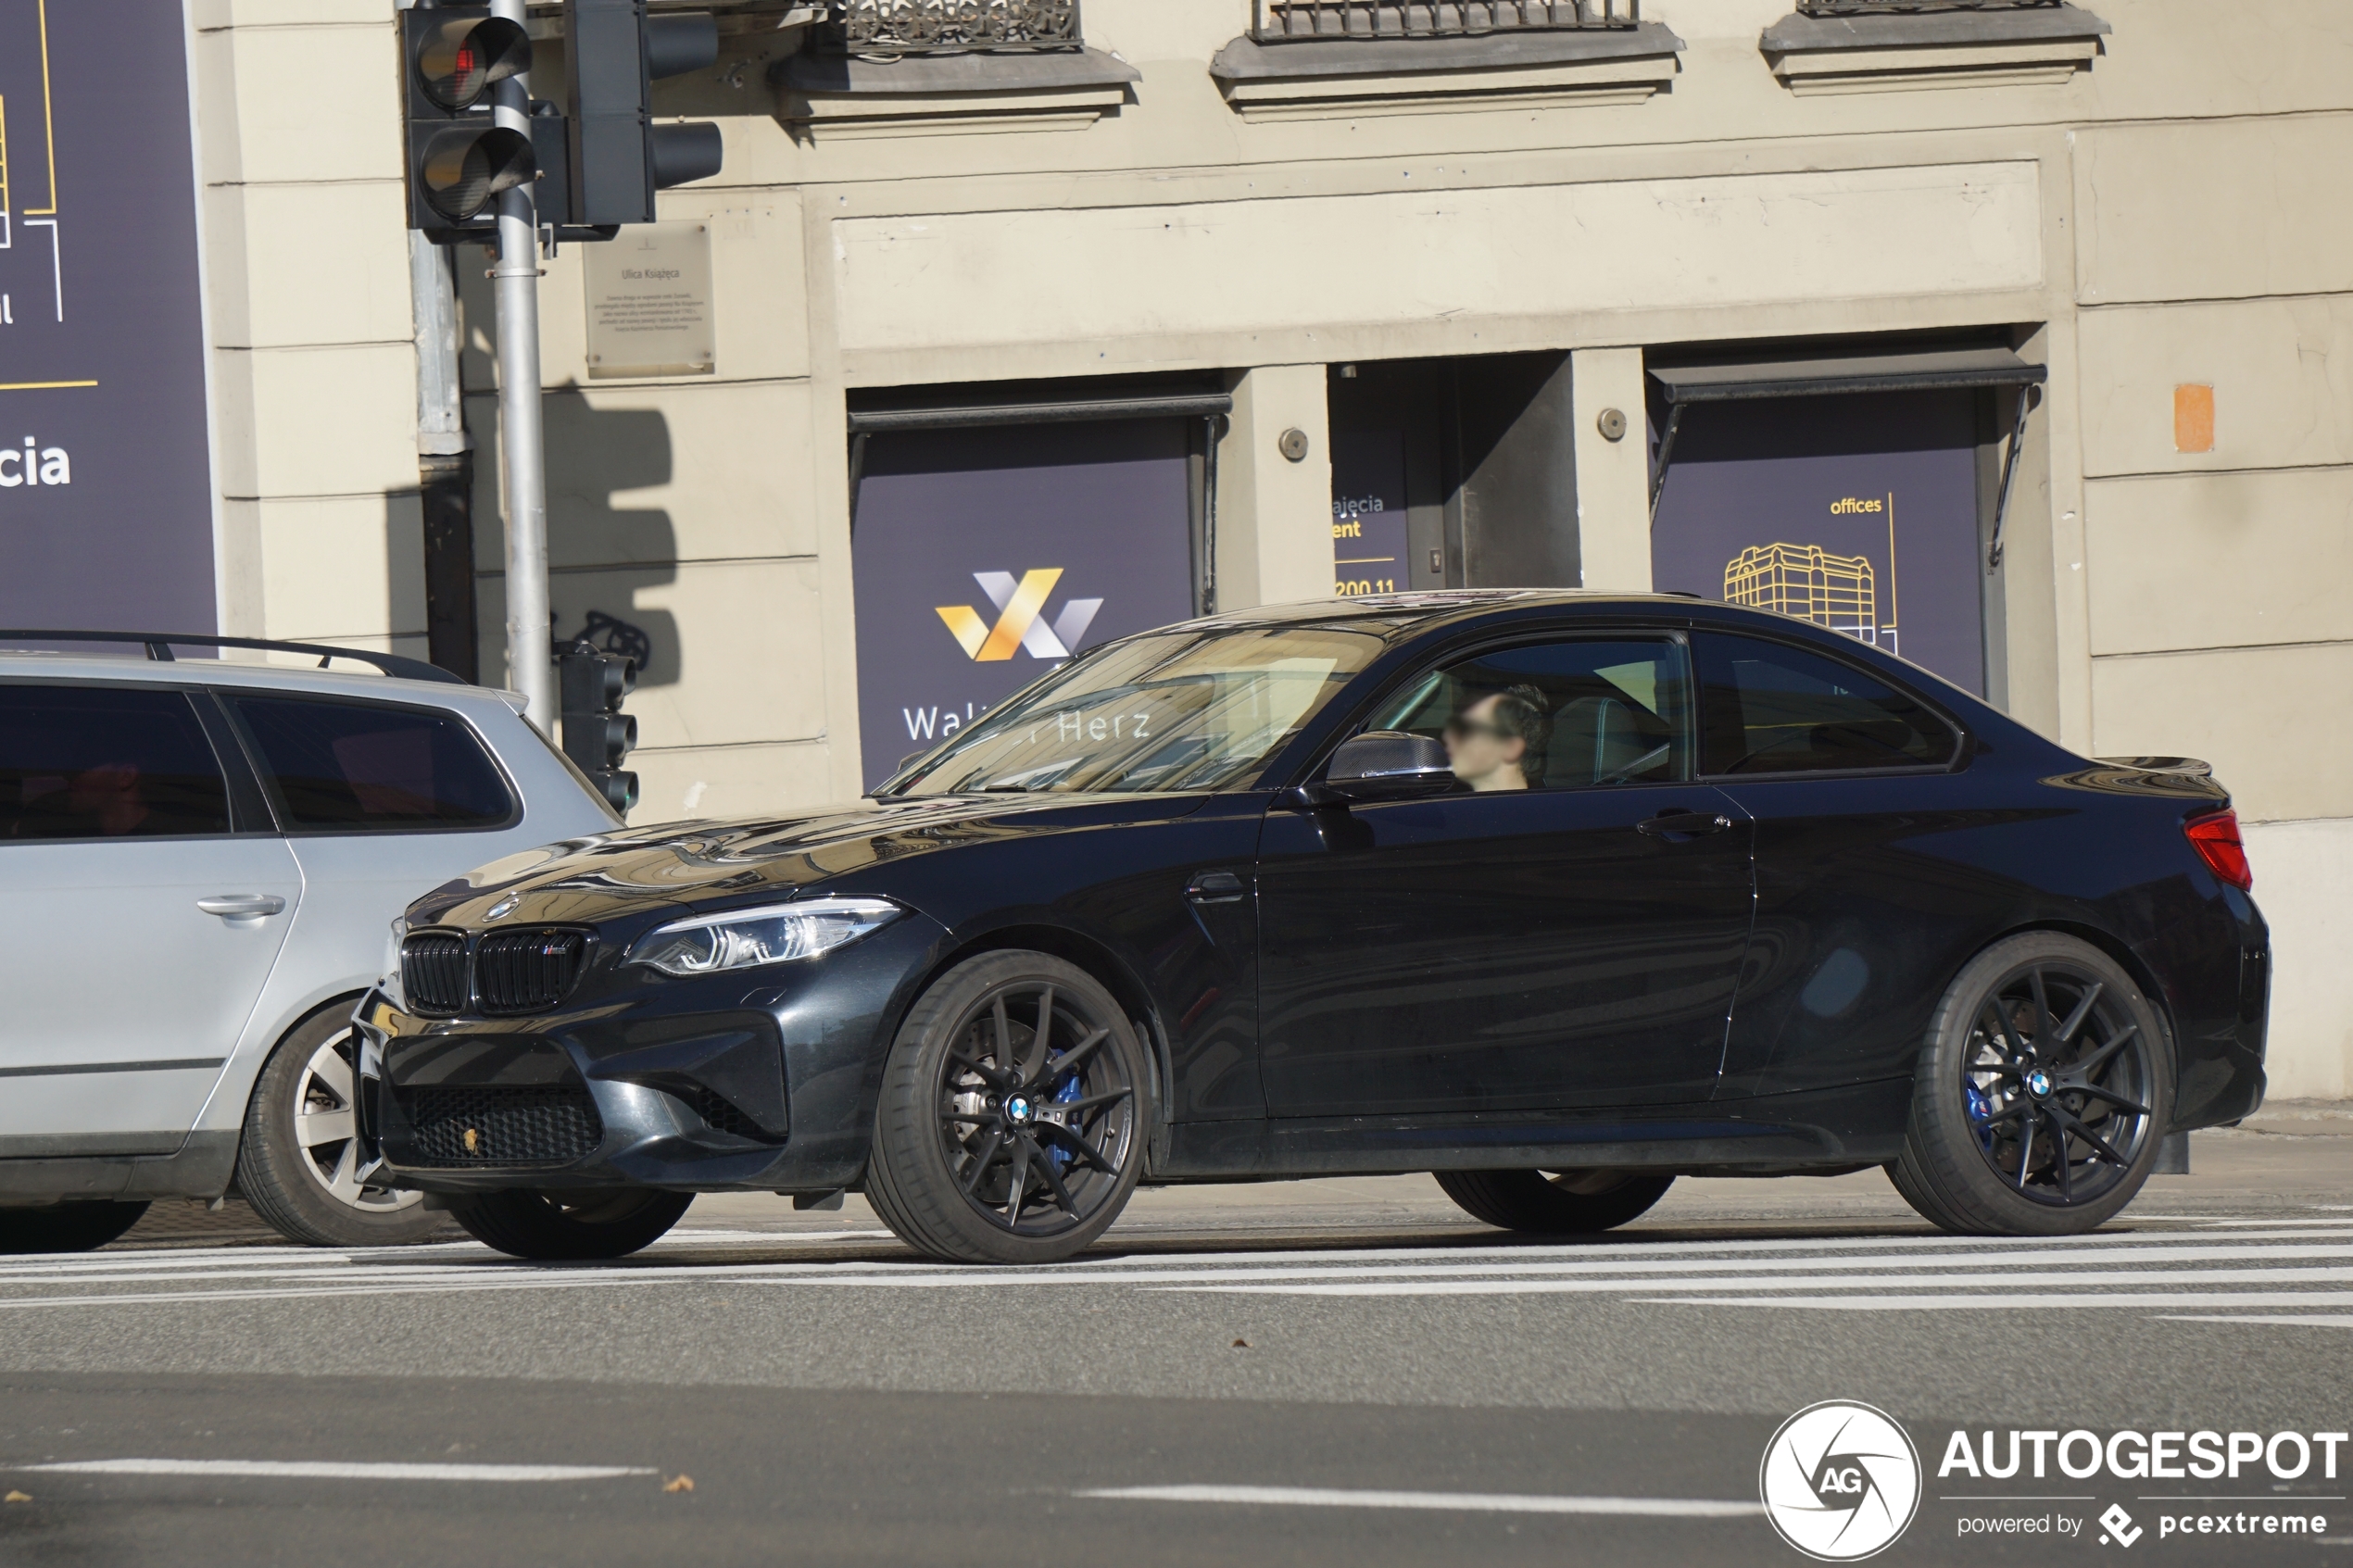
{"x": 1241, "y": 1344}
{"x": 679, "y": 1484}
{"x": 17, "y": 1497}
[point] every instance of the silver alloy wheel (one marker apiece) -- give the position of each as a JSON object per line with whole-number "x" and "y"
{"x": 324, "y": 1126}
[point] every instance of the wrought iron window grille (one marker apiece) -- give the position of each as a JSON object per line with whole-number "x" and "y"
{"x": 1282, "y": 21}
{"x": 1914, "y": 7}
{"x": 938, "y": 27}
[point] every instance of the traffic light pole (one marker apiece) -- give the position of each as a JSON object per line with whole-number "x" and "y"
{"x": 530, "y": 623}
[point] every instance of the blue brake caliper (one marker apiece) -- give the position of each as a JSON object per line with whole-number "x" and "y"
{"x": 1063, "y": 1095}
{"x": 1979, "y": 1108}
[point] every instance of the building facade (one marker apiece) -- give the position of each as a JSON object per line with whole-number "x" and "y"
{"x": 2011, "y": 336}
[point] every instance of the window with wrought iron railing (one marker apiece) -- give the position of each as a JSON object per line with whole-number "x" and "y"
{"x": 1284, "y": 20}
{"x": 928, "y": 27}
{"x": 1910, "y": 7}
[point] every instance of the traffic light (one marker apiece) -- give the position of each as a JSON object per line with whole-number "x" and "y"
{"x": 458, "y": 159}
{"x": 597, "y": 734}
{"x": 620, "y": 157}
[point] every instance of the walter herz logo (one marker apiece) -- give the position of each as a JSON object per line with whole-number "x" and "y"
{"x": 1020, "y": 618}
{"x": 1841, "y": 1481}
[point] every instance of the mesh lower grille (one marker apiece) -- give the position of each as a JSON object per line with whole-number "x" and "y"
{"x": 433, "y": 972}
{"x": 521, "y": 1125}
{"x": 525, "y": 970}
{"x": 722, "y": 1115}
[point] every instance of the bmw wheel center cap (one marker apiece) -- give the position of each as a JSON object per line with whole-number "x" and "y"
{"x": 2038, "y": 1084}
{"x": 1018, "y": 1108}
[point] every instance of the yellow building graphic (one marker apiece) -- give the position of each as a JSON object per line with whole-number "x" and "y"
{"x": 1807, "y": 580}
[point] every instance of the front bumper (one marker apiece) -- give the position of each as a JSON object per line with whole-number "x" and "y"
{"x": 762, "y": 1080}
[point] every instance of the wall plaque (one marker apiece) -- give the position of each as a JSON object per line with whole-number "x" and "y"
{"x": 650, "y": 308}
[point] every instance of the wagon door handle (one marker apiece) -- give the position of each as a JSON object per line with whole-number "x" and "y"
{"x": 243, "y": 906}
{"x": 1690, "y": 824}
{"x": 1215, "y": 887}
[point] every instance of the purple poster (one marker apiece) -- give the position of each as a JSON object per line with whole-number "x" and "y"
{"x": 1858, "y": 513}
{"x": 1369, "y": 513}
{"x": 984, "y": 557}
{"x": 106, "y": 475}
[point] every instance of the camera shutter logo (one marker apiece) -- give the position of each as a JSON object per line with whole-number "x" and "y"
{"x": 1021, "y": 622}
{"x": 1841, "y": 1481}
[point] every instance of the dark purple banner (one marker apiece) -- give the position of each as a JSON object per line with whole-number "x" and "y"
{"x": 986, "y": 558}
{"x": 106, "y": 473}
{"x": 1858, "y": 513}
{"x": 1369, "y": 513}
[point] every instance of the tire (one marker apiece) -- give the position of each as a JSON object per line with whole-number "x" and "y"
{"x": 569, "y": 1226}
{"x": 1554, "y": 1202}
{"x": 990, "y": 1150}
{"x": 66, "y": 1227}
{"x": 300, "y": 1176}
{"x": 2045, "y": 1087}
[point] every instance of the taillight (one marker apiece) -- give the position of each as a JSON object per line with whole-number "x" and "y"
{"x": 2216, "y": 839}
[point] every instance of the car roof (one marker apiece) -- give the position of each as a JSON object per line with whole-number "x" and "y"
{"x": 1393, "y": 615}
{"x": 247, "y": 675}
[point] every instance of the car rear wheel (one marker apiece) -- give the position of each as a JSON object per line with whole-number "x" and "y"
{"x": 1554, "y": 1202}
{"x": 66, "y": 1227}
{"x": 569, "y": 1226}
{"x": 300, "y": 1163}
{"x": 1011, "y": 1123}
{"x": 2043, "y": 1093}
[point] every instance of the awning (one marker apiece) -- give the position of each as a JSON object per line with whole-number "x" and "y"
{"x": 1930, "y": 371}
{"x": 1934, "y": 369}
{"x": 969, "y": 416}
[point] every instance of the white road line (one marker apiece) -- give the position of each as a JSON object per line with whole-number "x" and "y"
{"x": 2014, "y": 1302}
{"x": 290, "y": 1294}
{"x": 1828, "y": 1282}
{"x": 2323, "y": 1321}
{"x": 328, "y": 1470}
{"x": 1616, "y": 1274}
{"x": 1475, "y": 1502}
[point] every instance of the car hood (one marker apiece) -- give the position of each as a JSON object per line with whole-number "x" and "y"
{"x": 586, "y": 879}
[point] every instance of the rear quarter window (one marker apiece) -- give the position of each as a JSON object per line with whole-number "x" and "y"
{"x": 353, "y": 767}
{"x": 1768, "y": 708}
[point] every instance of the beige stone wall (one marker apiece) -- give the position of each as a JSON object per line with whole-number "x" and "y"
{"x": 2178, "y": 213}
{"x": 313, "y": 345}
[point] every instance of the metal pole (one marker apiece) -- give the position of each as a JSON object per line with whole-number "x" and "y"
{"x": 530, "y": 626}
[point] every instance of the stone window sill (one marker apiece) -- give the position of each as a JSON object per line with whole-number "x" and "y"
{"x": 1062, "y": 89}
{"x": 2042, "y": 46}
{"x": 1338, "y": 78}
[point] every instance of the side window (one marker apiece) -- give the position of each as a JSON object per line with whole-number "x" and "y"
{"x": 360, "y": 767}
{"x": 100, "y": 762}
{"x": 1770, "y": 709}
{"x": 1562, "y": 715}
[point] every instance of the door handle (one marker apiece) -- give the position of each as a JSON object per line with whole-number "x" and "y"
{"x": 1690, "y": 824}
{"x": 1215, "y": 887}
{"x": 243, "y": 906}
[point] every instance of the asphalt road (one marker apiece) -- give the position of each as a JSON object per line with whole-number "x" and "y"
{"x": 1345, "y": 1372}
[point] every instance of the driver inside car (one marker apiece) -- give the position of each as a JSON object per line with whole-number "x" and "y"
{"x": 1498, "y": 742}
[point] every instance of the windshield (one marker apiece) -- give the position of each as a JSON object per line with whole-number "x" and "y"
{"x": 1178, "y": 711}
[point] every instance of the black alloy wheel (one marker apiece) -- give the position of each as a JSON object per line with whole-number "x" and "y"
{"x": 2042, "y": 1096}
{"x": 1554, "y": 1202}
{"x": 569, "y": 1226}
{"x": 1011, "y": 1121}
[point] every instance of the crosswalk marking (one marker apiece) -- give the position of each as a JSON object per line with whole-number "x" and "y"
{"x": 2219, "y": 1269}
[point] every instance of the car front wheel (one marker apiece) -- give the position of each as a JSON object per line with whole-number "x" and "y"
{"x": 299, "y": 1164}
{"x": 1554, "y": 1202}
{"x": 1013, "y": 1117}
{"x": 2044, "y": 1090}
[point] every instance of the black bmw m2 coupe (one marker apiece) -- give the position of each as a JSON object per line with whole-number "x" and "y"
{"x": 1555, "y": 895}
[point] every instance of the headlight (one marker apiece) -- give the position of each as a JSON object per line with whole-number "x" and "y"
{"x": 748, "y": 939}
